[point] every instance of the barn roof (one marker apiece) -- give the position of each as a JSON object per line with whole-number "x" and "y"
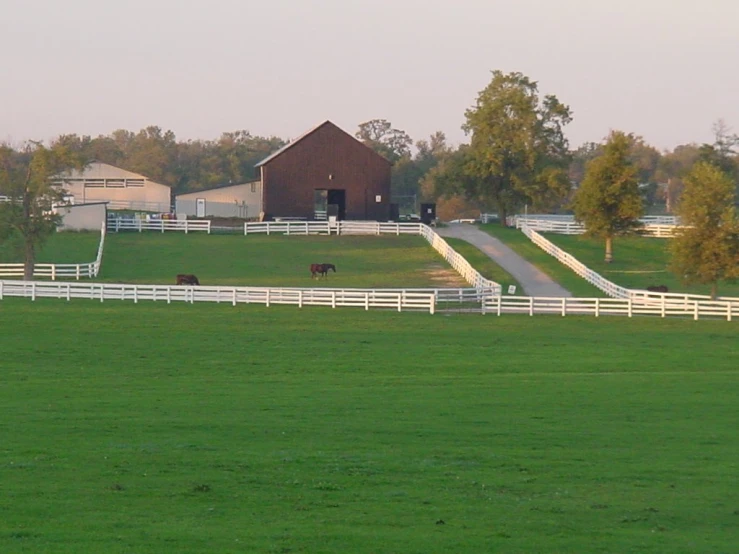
{"x": 304, "y": 135}
{"x": 101, "y": 170}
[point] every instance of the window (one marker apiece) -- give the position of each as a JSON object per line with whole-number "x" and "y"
{"x": 94, "y": 183}
{"x": 254, "y": 187}
{"x": 115, "y": 183}
{"x": 134, "y": 182}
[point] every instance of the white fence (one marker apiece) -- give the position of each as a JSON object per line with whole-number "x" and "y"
{"x": 662, "y": 307}
{"x": 459, "y": 263}
{"x": 653, "y": 226}
{"x": 60, "y": 271}
{"x": 607, "y": 286}
{"x": 118, "y": 223}
{"x": 399, "y": 300}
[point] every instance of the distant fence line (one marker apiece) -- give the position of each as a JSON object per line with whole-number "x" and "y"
{"x": 633, "y": 306}
{"x": 367, "y": 299}
{"x": 118, "y": 223}
{"x": 657, "y": 226}
{"x": 60, "y": 271}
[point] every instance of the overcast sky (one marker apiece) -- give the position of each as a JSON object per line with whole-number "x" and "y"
{"x": 663, "y": 69}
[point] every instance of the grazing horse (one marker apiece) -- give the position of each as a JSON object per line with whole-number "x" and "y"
{"x": 187, "y": 279}
{"x": 321, "y": 270}
{"x": 657, "y": 288}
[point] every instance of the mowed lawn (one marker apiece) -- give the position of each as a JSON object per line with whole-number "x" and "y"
{"x": 205, "y": 428}
{"x": 277, "y": 261}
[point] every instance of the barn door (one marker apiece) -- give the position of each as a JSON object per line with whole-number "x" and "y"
{"x": 200, "y": 207}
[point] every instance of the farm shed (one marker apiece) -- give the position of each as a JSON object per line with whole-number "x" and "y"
{"x": 244, "y": 201}
{"x": 82, "y": 217}
{"x": 325, "y": 170}
{"x": 121, "y": 189}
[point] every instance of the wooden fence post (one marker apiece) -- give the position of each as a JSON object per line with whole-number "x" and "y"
{"x": 531, "y": 305}
{"x": 53, "y": 271}
{"x": 366, "y": 301}
{"x": 300, "y": 299}
{"x": 69, "y": 292}
{"x": 564, "y": 306}
{"x": 695, "y": 314}
{"x": 234, "y": 296}
{"x": 246, "y": 228}
{"x": 33, "y": 291}
{"x": 333, "y": 298}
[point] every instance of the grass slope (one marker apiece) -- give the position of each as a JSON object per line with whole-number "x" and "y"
{"x": 259, "y": 260}
{"x": 638, "y": 262}
{"x": 560, "y": 273}
{"x": 155, "y": 428}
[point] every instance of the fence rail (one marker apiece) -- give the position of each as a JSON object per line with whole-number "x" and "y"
{"x": 629, "y": 307}
{"x": 399, "y": 300}
{"x": 60, "y": 271}
{"x": 117, "y": 223}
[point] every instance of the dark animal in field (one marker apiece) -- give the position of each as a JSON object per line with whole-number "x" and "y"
{"x": 321, "y": 270}
{"x": 657, "y": 288}
{"x": 187, "y": 279}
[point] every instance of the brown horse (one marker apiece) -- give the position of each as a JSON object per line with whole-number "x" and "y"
{"x": 321, "y": 270}
{"x": 657, "y": 288}
{"x": 187, "y": 279}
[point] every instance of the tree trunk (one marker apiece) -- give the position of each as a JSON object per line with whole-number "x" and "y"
{"x": 714, "y": 290}
{"x": 609, "y": 250}
{"x": 503, "y": 216}
{"x": 30, "y": 261}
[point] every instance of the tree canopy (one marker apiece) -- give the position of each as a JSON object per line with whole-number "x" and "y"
{"x": 608, "y": 201}
{"x": 706, "y": 247}
{"x": 27, "y": 213}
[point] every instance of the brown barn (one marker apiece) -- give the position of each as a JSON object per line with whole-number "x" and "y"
{"x": 325, "y": 170}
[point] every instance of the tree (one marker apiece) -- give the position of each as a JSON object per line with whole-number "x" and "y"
{"x": 25, "y": 179}
{"x": 518, "y": 152}
{"x": 380, "y": 135}
{"x": 608, "y": 202}
{"x": 706, "y": 247}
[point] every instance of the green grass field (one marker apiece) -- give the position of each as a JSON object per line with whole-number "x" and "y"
{"x": 61, "y": 248}
{"x": 202, "y": 428}
{"x": 260, "y": 260}
{"x": 638, "y": 262}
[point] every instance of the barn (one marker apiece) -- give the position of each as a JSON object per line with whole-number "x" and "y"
{"x": 325, "y": 171}
{"x": 121, "y": 189}
{"x": 242, "y": 201}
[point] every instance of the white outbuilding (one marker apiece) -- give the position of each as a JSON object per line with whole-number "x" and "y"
{"x": 243, "y": 201}
{"x": 121, "y": 189}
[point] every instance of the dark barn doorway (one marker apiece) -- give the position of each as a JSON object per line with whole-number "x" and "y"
{"x": 337, "y": 197}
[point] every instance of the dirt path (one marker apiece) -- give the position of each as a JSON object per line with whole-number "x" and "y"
{"x": 532, "y": 279}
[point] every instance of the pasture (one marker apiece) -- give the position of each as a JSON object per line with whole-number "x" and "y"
{"x": 203, "y": 428}
{"x": 276, "y": 261}
{"x": 61, "y": 248}
{"x": 638, "y": 262}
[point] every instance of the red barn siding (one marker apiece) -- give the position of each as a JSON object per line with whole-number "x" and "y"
{"x": 291, "y": 177}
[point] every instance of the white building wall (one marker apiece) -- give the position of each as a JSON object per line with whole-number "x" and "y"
{"x": 82, "y": 217}
{"x": 122, "y": 189}
{"x": 243, "y": 201}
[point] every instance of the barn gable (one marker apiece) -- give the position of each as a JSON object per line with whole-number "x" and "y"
{"x": 326, "y": 170}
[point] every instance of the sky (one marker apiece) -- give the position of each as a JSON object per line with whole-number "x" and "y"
{"x": 666, "y": 70}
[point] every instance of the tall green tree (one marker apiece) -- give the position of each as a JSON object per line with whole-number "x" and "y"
{"x": 25, "y": 181}
{"x": 383, "y": 138}
{"x": 706, "y": 247}
{"x": 608, "y": 202}
{"x": 518, "y": 152}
